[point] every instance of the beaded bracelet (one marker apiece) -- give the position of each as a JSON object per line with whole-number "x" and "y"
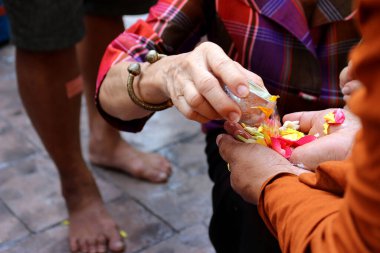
{"x": 134, "y": 70}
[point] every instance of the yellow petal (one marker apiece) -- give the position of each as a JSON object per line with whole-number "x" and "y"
{"x": 329, "y": 117}
{"x": 261, "y": 142}
{"x": 291, "y": 134}
{"x": 325, "y": 128}
{"x": 274, "y": 98}
{"x": 267, "y": 111}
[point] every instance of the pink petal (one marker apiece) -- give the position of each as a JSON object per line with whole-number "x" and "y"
{"x": 281, "y": 146}
{"x": 339, "y": 116}
{"x": 288, "y": 152}
{"x": 304, "y": 140}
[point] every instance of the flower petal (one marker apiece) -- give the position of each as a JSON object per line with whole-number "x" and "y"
{"x": 304, "y": 140}
{"x": 339, "y": 116}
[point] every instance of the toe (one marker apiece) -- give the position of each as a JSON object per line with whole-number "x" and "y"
{"x": 74, "y": 247}
{"x": 92, "y": 245}
{"x": 83, "y": 246}
{"x": 164, "y": 165}
{"x": 102, "y": 244}
{"x": 116, "y": 243}
{"x": 156, "y": 176}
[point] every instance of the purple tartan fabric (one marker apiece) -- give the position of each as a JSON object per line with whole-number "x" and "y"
{"x": 297, "y": 47}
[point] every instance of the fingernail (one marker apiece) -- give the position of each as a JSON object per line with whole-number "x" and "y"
{"x": 242, "y": 91}
{"x": 118, "y": 245}
{"x": 218, "y": 138}
{"x": 234, "y": 117}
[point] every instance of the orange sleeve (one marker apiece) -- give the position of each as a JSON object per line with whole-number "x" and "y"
{"x": 337, "y": 209}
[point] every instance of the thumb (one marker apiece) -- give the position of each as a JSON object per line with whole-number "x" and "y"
{"x": 228, "y": 147}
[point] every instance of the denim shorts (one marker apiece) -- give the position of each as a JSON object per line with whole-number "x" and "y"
{"x": 46, "y": 25}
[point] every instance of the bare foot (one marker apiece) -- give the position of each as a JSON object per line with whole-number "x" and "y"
{"x": 118, "y": 154}
{"x": 92, "y": 230}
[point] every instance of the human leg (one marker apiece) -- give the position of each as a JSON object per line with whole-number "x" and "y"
{"x": 106, "y": 146}
{"x": 235, "y": 226}
{"x": 45, "y": 63}
{"x": 42, "y": 78}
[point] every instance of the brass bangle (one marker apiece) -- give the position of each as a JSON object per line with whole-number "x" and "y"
{"x": 134, "y": 70}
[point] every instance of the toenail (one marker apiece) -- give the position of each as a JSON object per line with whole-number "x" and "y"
{"x": 162, "y": 175}
{"x": 118, "y": 245}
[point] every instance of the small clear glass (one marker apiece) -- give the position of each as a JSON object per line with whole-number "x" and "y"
{"x": 257, "y": 106}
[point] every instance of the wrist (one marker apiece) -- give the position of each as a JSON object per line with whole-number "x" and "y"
{"x": 150, "y": 85}
{"x": 256, "y": 190}
{"x": 284, "y": 169}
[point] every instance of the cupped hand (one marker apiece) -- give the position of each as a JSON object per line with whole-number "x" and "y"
{"x": 194, "y": 82}
{"x": 251, "y": 165}
{"x": 332, "y": 147}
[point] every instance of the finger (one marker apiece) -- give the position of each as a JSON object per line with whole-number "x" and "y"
{"x": 316, "y": 152}
{"x": 344, "y": 77}
{"x": 187, "y": 111}
{"x": 235, "y": 129}
{"x": 351, "y": 87}
{"x": 211, "y": 90}
{"x": 346, "y": 98}
{"x": 306, "y": 119}
{"x": 251, "y": 76}
{"x": 198, "y": 103}
{"x": 229, "y": 147}
{"x": 225, "y": 68}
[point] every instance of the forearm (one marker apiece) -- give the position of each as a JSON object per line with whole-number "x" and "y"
{"x": 149, "y": 87}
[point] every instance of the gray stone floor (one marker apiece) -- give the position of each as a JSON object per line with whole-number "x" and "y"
{"x": 166, "y": 218}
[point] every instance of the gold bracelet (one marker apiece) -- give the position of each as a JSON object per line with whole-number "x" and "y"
{"x": 134, "y": 70}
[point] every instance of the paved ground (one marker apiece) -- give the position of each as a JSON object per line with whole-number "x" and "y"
{"x": 158, "y": 218}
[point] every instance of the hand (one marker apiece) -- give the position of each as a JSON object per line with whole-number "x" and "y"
{"x": 332, "y": 147}
{"x": 194, "y": 82}
{"x": 251, "y": 165}
{"x": 347, "y": 85}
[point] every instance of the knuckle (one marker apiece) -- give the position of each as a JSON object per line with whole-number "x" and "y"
{"x": 190, "y": 114}
{"x": 196, "y": 101}
{"x": 222, "y": 63}
{"x": 259, "y": 81}
{"x": 238, "y": 79}
{"x": 207, "y": 45}
{"x": 207, "y": 84}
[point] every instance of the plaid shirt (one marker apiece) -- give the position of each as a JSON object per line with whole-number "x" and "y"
{"x": 298, "y": 47}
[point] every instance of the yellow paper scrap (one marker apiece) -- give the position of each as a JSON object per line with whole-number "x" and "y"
{"x": 65, "y": 223}
{"x": 123, "y": 234}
